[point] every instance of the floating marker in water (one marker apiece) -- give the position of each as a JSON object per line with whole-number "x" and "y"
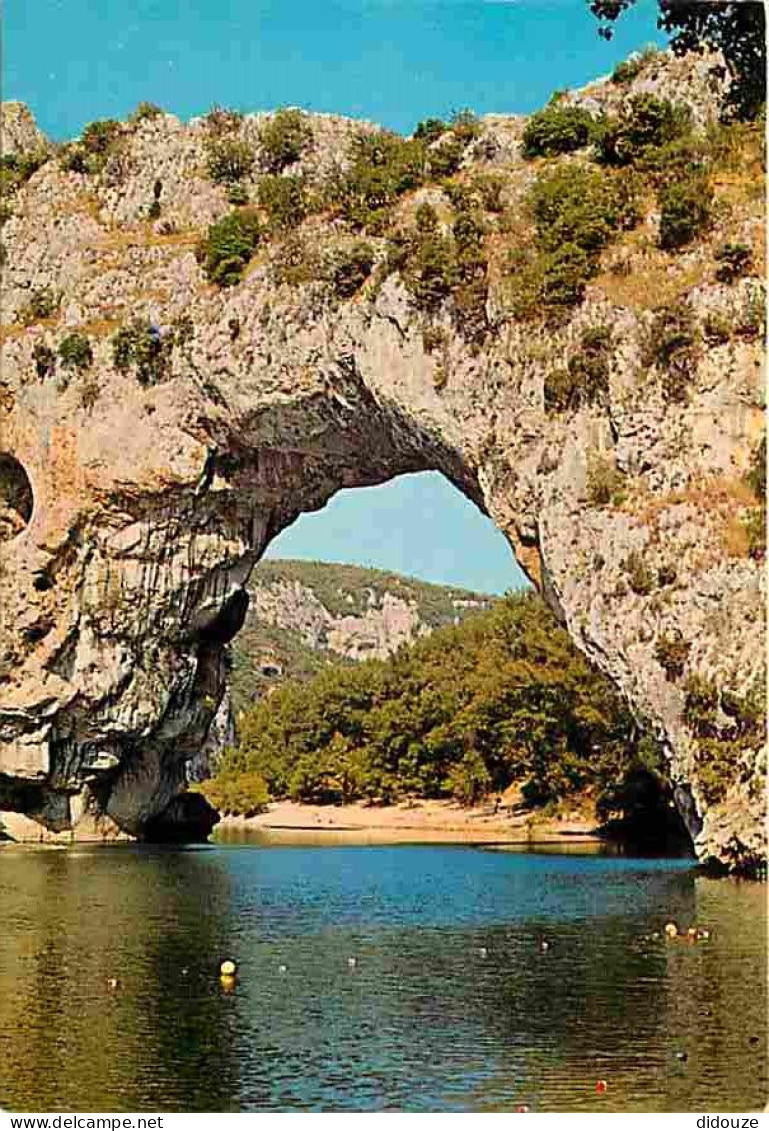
{"x": 522, "y": 1107}
{"x": 352, "y": 963}
{"x": 228, "y": 968}
{"x": 282, "y": 969}
{"x": 682, "y": 1056}
{"x": 703, "y": 934}
{"x": 671, "y": 930}
{"x": 483, "y": 952}
{"x": 544, "y": 946}
{"x": 113, "y": 983}
{"x": 601, "y": 1086}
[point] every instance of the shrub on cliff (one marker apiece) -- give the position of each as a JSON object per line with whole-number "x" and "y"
{"x": 236, "y": 793}
{"x": 17, "y": 168}
{"x": 97, "y": 143}
{"x": 581, "y": 206}
{"x": 522, "y": 705}
{"x": 350, "y": 267}
{"x": 557, "y": 129}
{"x": 640, "y": 577}
{"x": 284, "y": 199}
{"x": 44, "y": 359}
{"x": 725, "y": 727}
{"x": 146, "y": 112}
{"x": 645, "y": 124}
{"x": 283, "y": 139}
{"x": 734, "y": 260}
{"x": 671, "y": 653}
{"x": 756, "y": 475}
{"x": 221, "y": 120}
{"x": 430, "y": 130}
{"x": 425, "y": 258}
{"x": 144, "y": 347}
{"x": 671, "y": 344}
{"x": 228, "y": 159}
{"x": 604, "y": 481}
{"x": 228, "y": 246}
{"x": 585, "y": 379}
{"x": 42, "y": 303}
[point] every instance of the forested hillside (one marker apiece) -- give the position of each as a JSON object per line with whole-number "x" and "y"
{"x": 306, "y": 615}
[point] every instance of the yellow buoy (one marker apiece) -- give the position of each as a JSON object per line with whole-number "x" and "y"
{"x": 228, "y": 968}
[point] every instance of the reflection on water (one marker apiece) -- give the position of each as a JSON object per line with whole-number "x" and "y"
{"x": 451, "y": 1003}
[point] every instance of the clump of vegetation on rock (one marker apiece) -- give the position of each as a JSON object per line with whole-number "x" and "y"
{"x": 284, "y": 199}
{"x": 734, "y": 260}
{"x": 557, "y": 129}
{"x": 640, "y": 577}
{"x": 237, "y": 194}
{"x": 43, "y": 303}
{"x": 144, "y": 347}
{"x": 45, "y": 360}
{"x": 15, "y": 171}
{"x": 221, "y": 120}
{"x": 640, "y": 133}
{"x": 685, "y": 203}
{"x": 577, "y": 211}
{"x": 146, "y": 112}
{"x": 522, "y": 706}
{"x": 585, "y": 379}
{"x": 671, "y": 652}
{"x": 296, "y": 261}
{"x": 629, "y": 69}
{"x": 727, "y": 728}
{"x": 228, "y": 159}
{"x": 604, "y": 481}
{"x": 283, "y": 139}
{"x": 435, "y": 265}
{"x": 425, "y": 258}
{"x": 382, "y": 166}
{"x": 75, "y": 352}
{"x": 228, "y": 245}
{"x": 671, "y": 345}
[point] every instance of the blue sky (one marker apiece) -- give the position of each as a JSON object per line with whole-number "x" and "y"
{"x": 391, "y": 61}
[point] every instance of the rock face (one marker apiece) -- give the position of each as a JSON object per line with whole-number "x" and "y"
{"x": 152, "y": 501}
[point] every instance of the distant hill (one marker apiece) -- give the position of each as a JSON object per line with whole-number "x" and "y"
{"x": 305, "y": 615}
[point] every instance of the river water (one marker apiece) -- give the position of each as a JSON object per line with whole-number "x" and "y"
{"x": 451, "y": 1003}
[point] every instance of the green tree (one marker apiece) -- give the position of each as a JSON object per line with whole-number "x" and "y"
{"x": 737, "y": 28}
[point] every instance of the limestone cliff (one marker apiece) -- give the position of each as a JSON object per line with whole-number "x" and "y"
{"x": 141, "y": 484}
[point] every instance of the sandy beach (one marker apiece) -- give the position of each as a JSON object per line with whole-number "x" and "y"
{"x": 438, "y": 821}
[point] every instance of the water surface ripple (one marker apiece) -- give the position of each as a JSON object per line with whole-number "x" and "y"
{"x": 451, "y": 1004}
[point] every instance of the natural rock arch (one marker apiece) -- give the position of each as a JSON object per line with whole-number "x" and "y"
{"x": 153, "y": 501}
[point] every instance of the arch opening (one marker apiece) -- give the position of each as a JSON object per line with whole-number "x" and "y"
{"x": 16, "y": 497}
